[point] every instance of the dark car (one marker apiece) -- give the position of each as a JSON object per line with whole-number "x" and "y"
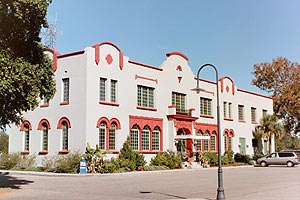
{"x": 296, "y": 151}
{"x": 281, "y": 158}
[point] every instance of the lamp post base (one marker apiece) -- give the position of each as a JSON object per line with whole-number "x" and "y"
{"x": 220, "y": 194}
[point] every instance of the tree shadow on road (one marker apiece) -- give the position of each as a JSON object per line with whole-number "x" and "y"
{"x": 7, "y": 181}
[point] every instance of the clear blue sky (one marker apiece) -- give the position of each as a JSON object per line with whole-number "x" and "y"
{"x": 233, "y": 35}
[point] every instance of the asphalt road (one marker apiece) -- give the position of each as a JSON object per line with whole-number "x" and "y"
{"x": 249, "y": 183}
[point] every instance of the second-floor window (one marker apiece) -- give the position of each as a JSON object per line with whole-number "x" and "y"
{"x": 253, "y": 114}
{"x": 205, "y": 106}
{"x": 102, "y": 89}
{"x": 145, "y": 96}
{"x": 241, "y": 112}
{"x": 66, "y": 87}
{"x": 113, "y": 91}
{"x": 227, "y": 108}
{"x": 178, "y": 100}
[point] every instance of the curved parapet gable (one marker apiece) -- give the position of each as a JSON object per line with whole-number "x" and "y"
{"x": 177, "y": 54}
{"x": 97, "y": 53}
{"x": 227, "y": 85}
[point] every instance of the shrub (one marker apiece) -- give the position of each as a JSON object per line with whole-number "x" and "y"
{"x": 26, "y": 163}
{"x": 169, "y": 159}
{"x": 130, "y": 159}
{"x": 94, "y": 158}
{"x": 154, "y": 168}
{"x": 10, "y": 160}
{"x": 240, "y": 158}
{"x": 228, "y": 158}
{"x": 110, "y": 166}
{"x": 48, "y": 164}
{"x": 212, "y": 158}
{"x": 68, "y": 163}
{"x": 3, "y": 142}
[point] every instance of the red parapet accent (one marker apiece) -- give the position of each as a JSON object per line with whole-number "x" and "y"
{"x": 178, "y": 54}
{"x": 55, "y": 55}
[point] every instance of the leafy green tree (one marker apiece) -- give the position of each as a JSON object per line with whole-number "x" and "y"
{"x": 26, "y": 73}
{"x": 268, "y": 127}
{"x": 3, "y": 142}
{"x": 281, "y": 79}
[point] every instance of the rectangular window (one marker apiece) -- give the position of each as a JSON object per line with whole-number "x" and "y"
{"x": 112, "y": 137}
{"x": 178, "y": 100}
{"x": 134, "y": 139}
{"x": 145, "y": 140}
{"x": 225, "y": 109}
{"x": 264, "y": 112}
{"x": 102, "y": 89}
{"x": 241, "y": 112}
{"x": 113, "y": 91}
{"x": 65, "y": 137}
{"x": 213, "y": 142}
{"x": 205, "y": 106}
{"x": 145, "y": 96}
{"x": 66, "y": 87}
{"x": 155, "y": 140}
{"x": 45, "y": 139}
{"x": 253, "y": 114}
{"x": 230, "y": 110}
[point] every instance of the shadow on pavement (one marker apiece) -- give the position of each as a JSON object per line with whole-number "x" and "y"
{"x": 7, "y": 181}
{"x": 169, "y": 195}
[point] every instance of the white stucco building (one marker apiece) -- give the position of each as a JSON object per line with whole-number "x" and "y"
{"x": 102, "y": 97}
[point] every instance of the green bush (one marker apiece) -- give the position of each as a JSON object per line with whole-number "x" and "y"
{"x": 10, "y": 160}
{"x": 3, "y": 142}
{"x": 212, "y": 158}
{"x": 48, "y": 164}
{"x": 68, "y": 163}
{"x": 257, "y": 156}
{"x": 155, "y": 168}
{"x": 240, "y": 158}
{"x": 169, "y": 159}
{"x": 129, "y": 159}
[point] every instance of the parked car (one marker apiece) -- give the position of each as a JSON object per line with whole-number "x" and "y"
{"x": 279, "y": 158}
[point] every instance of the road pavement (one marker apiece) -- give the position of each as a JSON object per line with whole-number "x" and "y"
{"x": 249, "y": 183}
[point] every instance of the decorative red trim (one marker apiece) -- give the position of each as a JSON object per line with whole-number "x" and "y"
{"x": 63, "y": 152}
{"x": 228, "y": 132}
{"x": 228, "y": 119}
{"x": 44, "y": 105}
{"x": 177, "y": 54}
{"x": 25, "y": 122}
{"x": 144, "y": 65}
{"x": 97, "y": 53}
{"x": 222, "y": 84}
{"x": 64, "y": 103}
{"x": 207, "y": 116}
{"x": 101, "y": 120}
{"x": 149, "y": 79}
{"x": 55, "y": 55}
{"x": 109, "y": 103}
{"x": 260, "y": 95}
{"x": 71, "y": 54}
{"x": 43, "y": 152}
{"x": 243, "y": 121}
{"x": 61, "y": 120}
{"x": 40, "y": 127}
{"x": 115, "y": 120}
{"x": 146, "y": 108}
{"x": 149, "y": 152}
{"x": 113, "y": 151}
{"x": 253, "y": 122}
{"x": 206, "y": 127}
{"x": 171, "y": 106}
{"x": 182, "y": 117}
{"x": 24, "y": 152}
{"x": 206, "y": 81}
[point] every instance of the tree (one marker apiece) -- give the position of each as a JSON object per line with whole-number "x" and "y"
{"x": 268, "y": 129}
{"x": 26, "y": 73}
{"x": 281, "y": 78}
{"x": 3, "y": 142}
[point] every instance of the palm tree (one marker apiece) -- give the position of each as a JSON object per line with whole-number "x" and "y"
{"x": 270, "y": 128}
{"x": 258, "y": 135}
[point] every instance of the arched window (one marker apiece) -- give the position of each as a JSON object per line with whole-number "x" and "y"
{"x": 112, "y": 136}
{"x": 102, "y": 133}
{"x": 225, "y": 141}
{"x": 134, "y": 137}
{"x": 45, "y": 136}
{"x": 155, "y": 139}
{"x": 199, "y": 142}
{"x": 146, "y": 138}
{"x": 26, "y": 137}
{"x": 65, "y": 135}
{"x": 213, "y": 141}
{"x": 205, "y": 142}
{"x": 230, "y": 141}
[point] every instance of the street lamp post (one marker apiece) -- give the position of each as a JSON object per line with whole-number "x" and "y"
{"x": 220, "y": 190}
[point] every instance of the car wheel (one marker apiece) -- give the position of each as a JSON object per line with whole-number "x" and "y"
{"x": 264, "y": 164}
{"x": 290, "y": 164}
